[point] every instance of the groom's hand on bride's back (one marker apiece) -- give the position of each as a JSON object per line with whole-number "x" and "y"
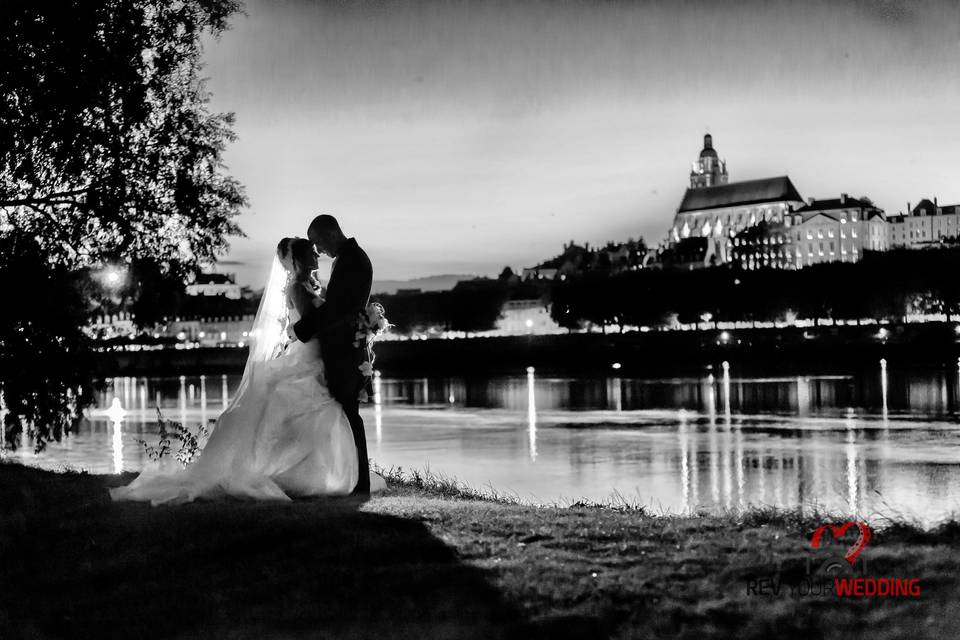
{"x": 291, "y": 333}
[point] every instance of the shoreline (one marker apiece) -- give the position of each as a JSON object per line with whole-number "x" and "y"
{"x": 789, "y": 351}
{"x": 427, "y": 559}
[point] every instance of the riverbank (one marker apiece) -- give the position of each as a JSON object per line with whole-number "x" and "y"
{"x": 839, "y": 349}
{"x": 427, "y": 559}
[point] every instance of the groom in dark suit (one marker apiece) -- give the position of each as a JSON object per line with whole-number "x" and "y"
{"x": 334, "y": 323}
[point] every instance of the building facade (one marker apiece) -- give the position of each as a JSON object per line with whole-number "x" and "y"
{"x": 926, "y": 224}
{"x": 834, "y": 230}
{"x": 210, "y": 332}
{"x": 215, "y": 284}
{"x": 767, "y": 245}
{"x": 526, "y": 317}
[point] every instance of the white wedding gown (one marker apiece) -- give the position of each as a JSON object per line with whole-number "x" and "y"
{"x": 283, "y": 436}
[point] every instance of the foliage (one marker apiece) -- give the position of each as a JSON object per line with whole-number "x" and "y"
{"x": 108, "y": 156}
{"x": 107, "y": 149}
{"x": 471, "y": 306}
{"x": 190, "y": 446}
{"x": 886, "y": 285}
{"x": 44, "y": 358}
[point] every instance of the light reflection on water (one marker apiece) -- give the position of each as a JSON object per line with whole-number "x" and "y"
{"x": 882, "y": 442}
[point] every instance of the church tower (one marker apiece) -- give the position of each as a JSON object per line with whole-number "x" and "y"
{"x": 708, "y": 170}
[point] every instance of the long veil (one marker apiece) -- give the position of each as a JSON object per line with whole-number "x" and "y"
{"x": 268, "y": 335}
{"x": 266, "y": 339}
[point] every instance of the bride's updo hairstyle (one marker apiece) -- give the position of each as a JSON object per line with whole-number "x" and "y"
{"x": 295, "y": 254}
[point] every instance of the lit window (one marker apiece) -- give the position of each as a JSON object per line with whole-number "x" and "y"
{"x": 819, "y": 233}
{"x": 853, "y": 233}
{"x": 843, "y": 234}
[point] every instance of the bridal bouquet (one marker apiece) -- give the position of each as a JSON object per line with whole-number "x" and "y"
{"x": 371, "y": 323}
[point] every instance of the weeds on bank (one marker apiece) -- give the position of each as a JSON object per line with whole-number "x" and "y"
{"x": 191, "y": 443}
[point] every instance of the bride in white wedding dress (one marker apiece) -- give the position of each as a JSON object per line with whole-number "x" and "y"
{"x": 283, "y": 435}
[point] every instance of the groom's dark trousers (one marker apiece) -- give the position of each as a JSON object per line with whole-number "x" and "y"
{"x": 335, "y": 324}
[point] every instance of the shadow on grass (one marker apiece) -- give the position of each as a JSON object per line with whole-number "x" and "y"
{"x": 76, "y": 565}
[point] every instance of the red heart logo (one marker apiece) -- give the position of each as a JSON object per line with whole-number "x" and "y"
{"x": 838, "y": 530}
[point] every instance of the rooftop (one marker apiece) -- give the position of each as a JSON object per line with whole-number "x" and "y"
{"x": 836, "y": 203}
{"x": 748, "y": 192}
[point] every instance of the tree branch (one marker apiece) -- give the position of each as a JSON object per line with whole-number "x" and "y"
{"x": 61, "y": 197}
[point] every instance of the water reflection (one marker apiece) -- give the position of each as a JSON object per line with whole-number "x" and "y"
{"x": 880, "y": 441}
{"x": 685, "y": 463}
{"x": 883, "y": 386}
{"x": 532, "y": 413}
{"x": 377, "y": 407}
{"x": 116, "y": 413}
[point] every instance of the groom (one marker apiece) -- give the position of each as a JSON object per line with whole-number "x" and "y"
{"x": 334, "y": 323}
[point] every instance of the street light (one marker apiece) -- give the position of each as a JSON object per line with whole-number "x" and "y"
{"x": 113, "y": 277}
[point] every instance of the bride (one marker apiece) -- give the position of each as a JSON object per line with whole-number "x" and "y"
{"x": 283, "y": 435}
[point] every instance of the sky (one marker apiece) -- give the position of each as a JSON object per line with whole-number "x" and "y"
{"x": 462, "y": 137}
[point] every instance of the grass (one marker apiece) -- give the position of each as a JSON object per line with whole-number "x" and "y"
{"x": 431, "y": 558}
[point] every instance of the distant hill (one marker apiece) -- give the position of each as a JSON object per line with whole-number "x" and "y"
{"x": 429, "y": 283}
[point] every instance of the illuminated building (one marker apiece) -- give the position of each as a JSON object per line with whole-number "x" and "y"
{"x": 215, "y": 284}
{"x": 835, "y": 230}
{"x": 708, "y": 170}
{"x": 765, "y": 245}
{"x": 526, "y": 317}
{"x": 686, "y": 254}
{"x": 926, "y": 224}
{"x": 716, "y": 209}
{"x": 575, "y": 260}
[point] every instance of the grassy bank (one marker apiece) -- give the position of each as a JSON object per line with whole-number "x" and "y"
{"x": 427, "y": 559}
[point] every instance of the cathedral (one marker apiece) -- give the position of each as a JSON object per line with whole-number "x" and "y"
{"x": 715, "y": 209}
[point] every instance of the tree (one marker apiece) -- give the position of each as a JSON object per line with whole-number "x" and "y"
{"x": 45, "y": 363}
{"x": 474, "y": 306}
{"x": 108, "y": 155}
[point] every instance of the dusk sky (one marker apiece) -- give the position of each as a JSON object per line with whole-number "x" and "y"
{"x": 459, "y": 137}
